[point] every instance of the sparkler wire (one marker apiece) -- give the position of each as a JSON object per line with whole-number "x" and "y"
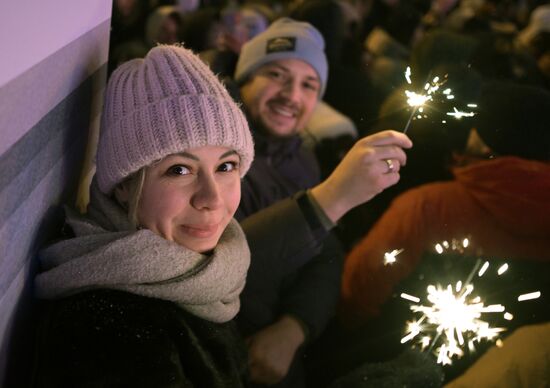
{"x": 410, "y": 119}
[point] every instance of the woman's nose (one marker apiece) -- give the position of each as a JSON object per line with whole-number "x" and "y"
{"x": 208, "y": 193}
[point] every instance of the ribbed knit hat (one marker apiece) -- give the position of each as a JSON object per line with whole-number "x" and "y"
{"x": 284, "y": 39}
{"x": 166, "y": 103}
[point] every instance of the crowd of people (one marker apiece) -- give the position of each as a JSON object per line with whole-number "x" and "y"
{"x": 253, "y": 172}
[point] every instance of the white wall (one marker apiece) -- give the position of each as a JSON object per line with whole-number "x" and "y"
{"x": 52, "y": 74}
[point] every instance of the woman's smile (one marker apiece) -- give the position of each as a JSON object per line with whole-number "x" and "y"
{"x": 200, "y": 231}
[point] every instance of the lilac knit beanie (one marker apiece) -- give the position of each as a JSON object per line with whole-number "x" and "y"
{"x": 166, "y": 103}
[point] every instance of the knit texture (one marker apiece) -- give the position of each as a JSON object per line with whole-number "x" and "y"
{"x": 107, "y": 253}
{"x": 284, "y": 39}
{"x": 166, "y": 103}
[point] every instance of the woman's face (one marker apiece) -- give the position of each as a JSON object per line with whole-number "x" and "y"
{"x": 190, "y": 197}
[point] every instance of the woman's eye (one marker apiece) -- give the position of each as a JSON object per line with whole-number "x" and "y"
{"x": 228, "y": 166}
{"x": 178, "y": 170}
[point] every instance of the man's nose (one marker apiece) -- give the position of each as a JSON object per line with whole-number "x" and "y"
{"x": 291, "y": 90}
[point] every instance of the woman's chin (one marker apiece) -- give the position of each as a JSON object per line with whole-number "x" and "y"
{"x": 199, "y": 245}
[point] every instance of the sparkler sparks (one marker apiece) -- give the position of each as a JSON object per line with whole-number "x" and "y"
{"x": 418, "y": 100}
{"x": 457, "y": 114}
{"x": 390, "y": 257}
{"x": 410, "y": 297}
{"x": 455, "y": 245}
{"x": 431, "y": 88}
{"x": 502, "y": 269}
{"x": 483, "y": 269}
{"x": 531, "y": 295}
{"x": 450, "y": 320}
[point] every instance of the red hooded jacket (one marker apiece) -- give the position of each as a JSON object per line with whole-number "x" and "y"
{"x": 502, "y": 205}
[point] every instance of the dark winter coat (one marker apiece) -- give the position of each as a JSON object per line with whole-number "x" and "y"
{"x": 296, "y": 265}
{"x": 107, "y": 338}
{"x": 281, "y": 168}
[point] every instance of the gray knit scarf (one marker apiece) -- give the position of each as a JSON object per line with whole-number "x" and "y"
{"x": 107, "y": 253}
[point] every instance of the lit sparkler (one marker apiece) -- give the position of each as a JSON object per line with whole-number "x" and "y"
{"x": 452, "y": 320}
{"x": 454, "y": 317}
{"x": 417, "y": 101}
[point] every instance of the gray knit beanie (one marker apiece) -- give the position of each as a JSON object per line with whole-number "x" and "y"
{"x": 284, "y": 39}
{"x": 166, "y": 103}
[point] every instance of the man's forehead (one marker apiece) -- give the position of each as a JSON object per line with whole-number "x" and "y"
{"x": 292, "y": 66}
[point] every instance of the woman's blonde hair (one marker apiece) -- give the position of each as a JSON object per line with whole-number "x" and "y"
{"x": 134, "y": 185}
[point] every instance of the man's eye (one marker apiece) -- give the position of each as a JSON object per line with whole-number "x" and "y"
{"x": 228, "y": 166}
{"x": 311, "y": 86}
{"x": 178, "y": 170}
{"x": 274, "y": 74}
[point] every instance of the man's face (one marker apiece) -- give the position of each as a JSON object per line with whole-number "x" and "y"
{"x": 281, "y": 95}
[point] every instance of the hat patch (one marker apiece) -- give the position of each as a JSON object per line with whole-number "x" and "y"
{"x": 281, "y": 44}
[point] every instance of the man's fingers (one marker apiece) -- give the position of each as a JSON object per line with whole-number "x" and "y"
{"x": 390, "y": 166}
{"x": 386, "y": 152}
{"x": 388, "y": 137}
{"x": 388, "y": 180}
